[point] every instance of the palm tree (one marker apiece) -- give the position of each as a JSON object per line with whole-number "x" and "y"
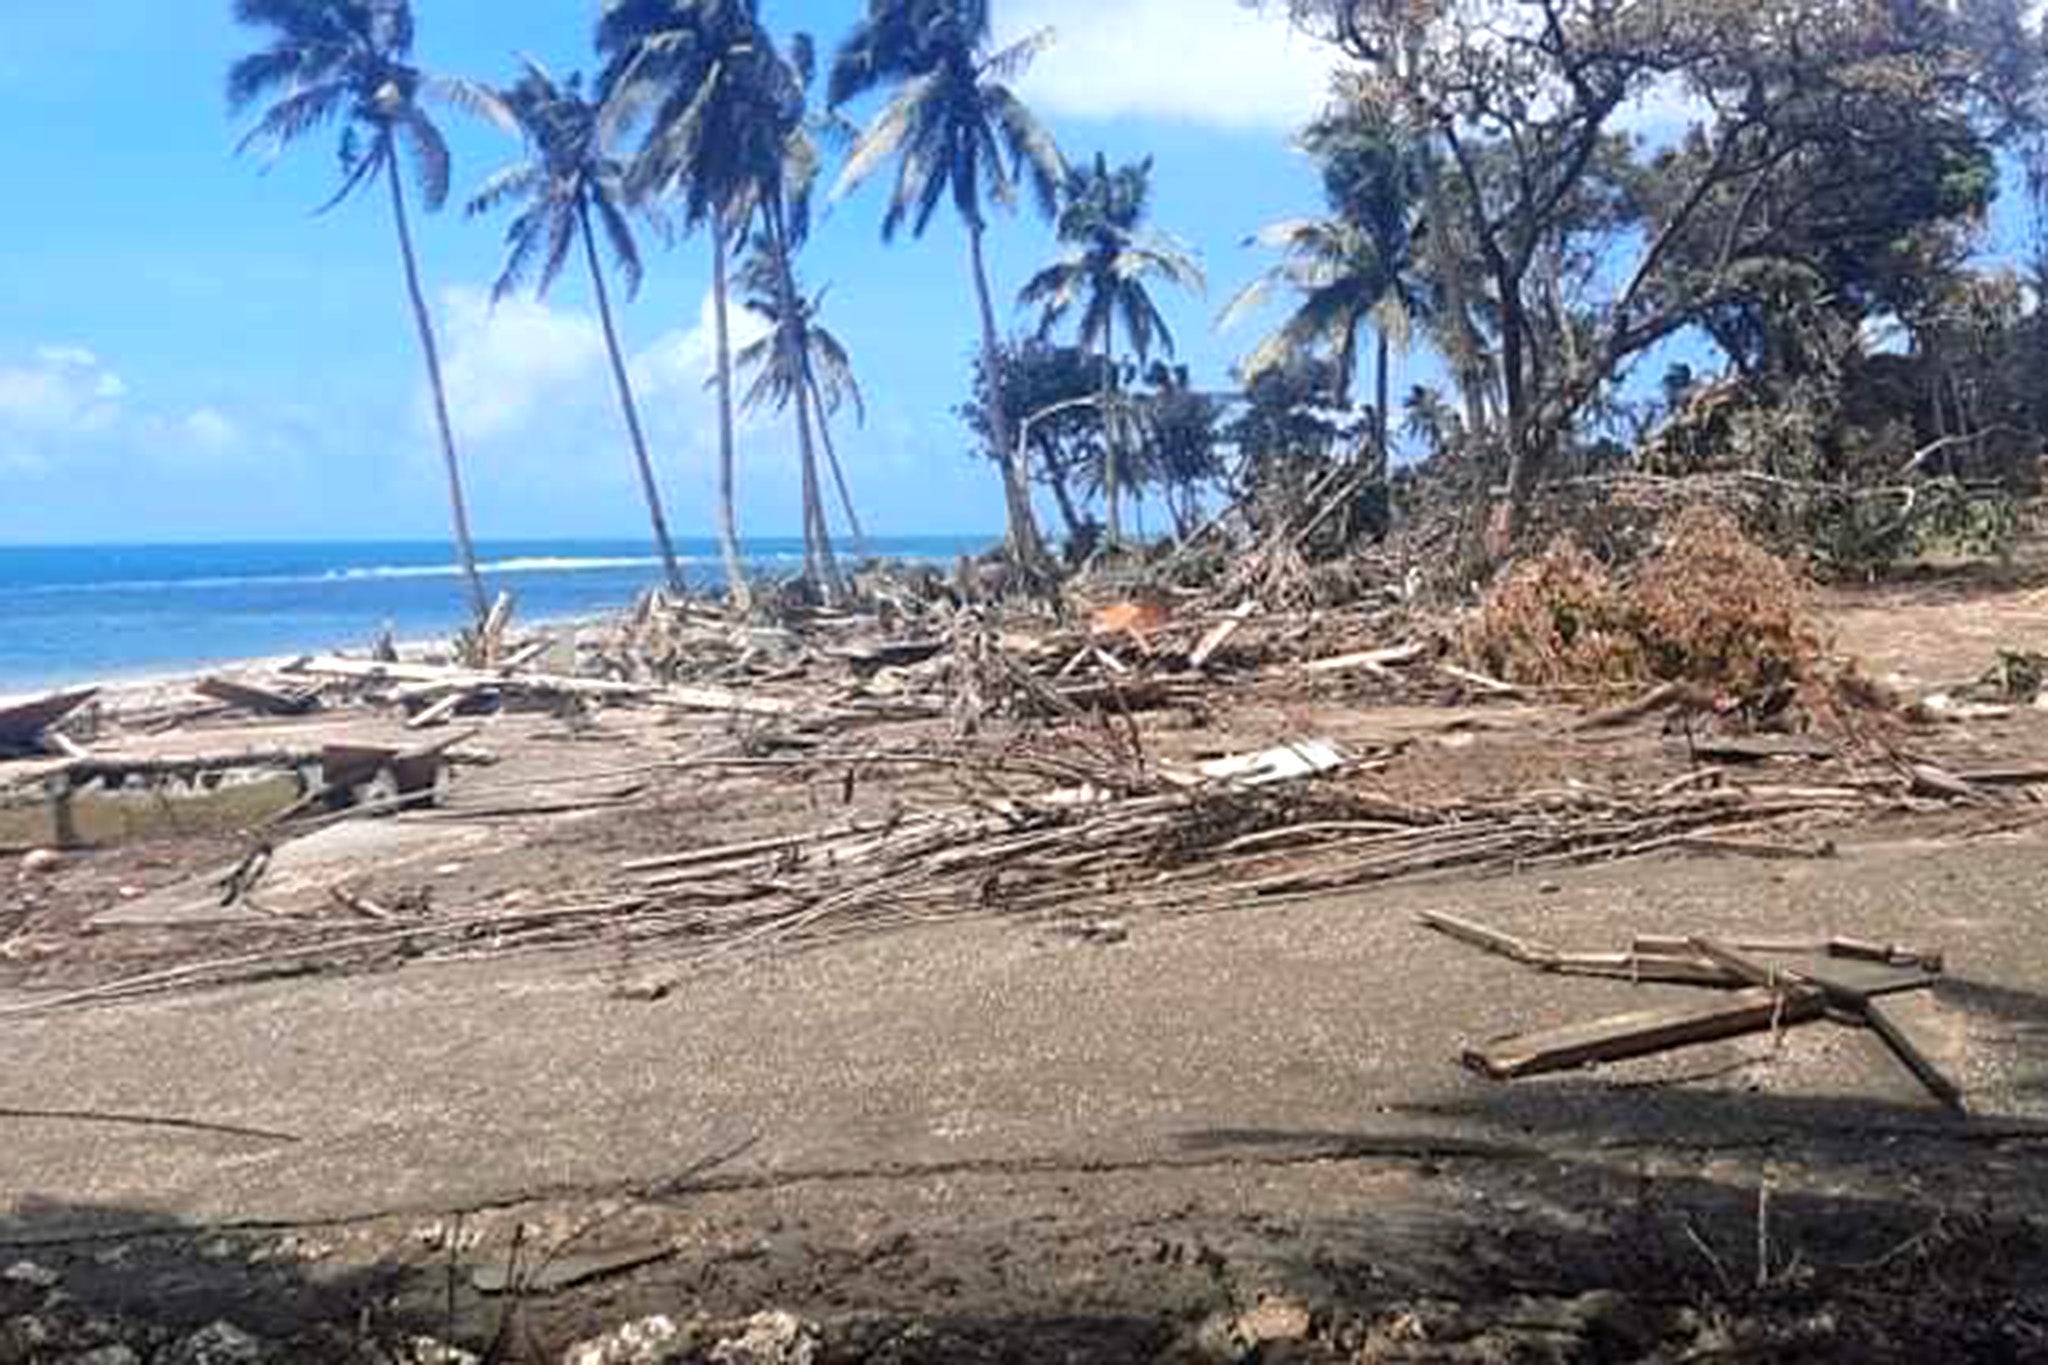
{"x": 798, "y": 349}
{"x": 719, "y": 104}
{"x": 349, "y": 61}
{"x": 1354, "y": 268}
{"x": 955, "y": 128}
{"x": 566, "y": 181}
{"x": 1108, "y": 259}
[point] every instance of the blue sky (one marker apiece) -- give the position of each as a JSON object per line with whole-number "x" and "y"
{"x": 187, "y": 354}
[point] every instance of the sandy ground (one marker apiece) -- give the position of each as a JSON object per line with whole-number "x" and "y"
{"x": 1237, "y": 1136}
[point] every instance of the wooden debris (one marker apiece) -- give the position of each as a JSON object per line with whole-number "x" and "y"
{"x": 23, "y": 723}
{"x": 1642, "y": 1033}
{"x": 440, "y": 712}
{"x": 1902, "y": 1034}
{"x": 264, "y": 701}
{"x": 1670, "y": 969}
{"x": 1759, "y": 748}
{"x": 1494, "y": 686}
{"x": 1371, "y": 660}
{"x": 1662, "y": 697}
{"x": 1220, "y": 634}
{"x": 1491, "y": 940}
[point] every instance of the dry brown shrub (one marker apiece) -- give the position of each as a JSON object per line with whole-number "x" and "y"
{"x": 1557, "y": 618}
{"x": 1714, "y": 608}
{"x": 1709, "y": 607}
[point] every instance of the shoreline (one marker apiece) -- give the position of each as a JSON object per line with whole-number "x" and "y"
{"x": 128, "y": 692}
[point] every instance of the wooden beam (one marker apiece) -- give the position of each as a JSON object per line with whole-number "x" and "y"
{"x": 1900, "y": 1033}
{"x": 1641, "y": 1033}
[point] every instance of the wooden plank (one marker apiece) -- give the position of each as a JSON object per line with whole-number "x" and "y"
{"x": 441, "y": 711}
{"x": 1491, "y": 940}
{"x": 1641, "y": 1033}
{"x": 1372, "y": 660}
{"x": 1848, "y": 982}
{"x": 264, "y": 701}
{"x": 1219, "y": 634}
{"x": 1681, "y": 945}
{"x": 1491, "y": 686}
{"x": 1901, "y": 1034}
{"x": 1743, "y": 965}
{"x": 1851, "y": 980}
{"x": 1667, "y": 969}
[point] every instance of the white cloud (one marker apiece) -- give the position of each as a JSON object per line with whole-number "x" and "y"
{"x": 65, "y": 409}
{"x": 211, "y": 429}
{"x": 508, "y": 362}
{"x": 63, "y": 391}
{"x": 1212, "y": 62}
{"x": 523, "y": 371}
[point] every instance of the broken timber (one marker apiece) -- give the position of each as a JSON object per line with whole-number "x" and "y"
{"x": 1643, "y": 1032}
{"x": 22, "y": 723}
{"x": 1848, "y": 980}
{"x": 264, "y": 701}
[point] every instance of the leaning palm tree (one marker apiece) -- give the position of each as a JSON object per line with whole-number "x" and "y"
{"x": 350, "y": 61}
{"x": 1343, "y": 285}
{"x": 1109, "y": 257}
{"x": 956, "y": 129}
{"x": 1356, "y": 267}
{"x": 798, "y": 351}
{"x": 565, "y": 184}
{"x": 717, "y": 102}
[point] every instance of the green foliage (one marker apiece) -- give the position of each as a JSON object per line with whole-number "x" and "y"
{"x": 1110, "y": 257}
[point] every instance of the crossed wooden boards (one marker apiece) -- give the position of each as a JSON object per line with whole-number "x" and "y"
{"x": 1763, "y": 986}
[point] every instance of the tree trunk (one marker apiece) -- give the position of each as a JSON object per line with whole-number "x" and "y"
{"x": 465, "y": 547}
{"x": 1027, "y": 548}
{"x": 1382, "y": 454}
{"x": 648, "y": 487}
{"x": 821, "y": 566}
{"x": 1112, "y": 482}
{"x": 1063, "y": 498}
{"x": 1522, "y": 458}
{"x": 860, "y": 536}
{"x": 728, "y": 512}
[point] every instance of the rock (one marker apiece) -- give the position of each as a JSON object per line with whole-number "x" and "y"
{"x": 221, "y": 1343}
{"x": 41, "y": 862}
{"x": 30, "y": 1275}
{"x": 775, "y": 1338}
{"x": 650, "y": 1341}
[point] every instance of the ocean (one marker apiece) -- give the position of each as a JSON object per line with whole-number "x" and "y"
{"x": 72, "y": 614}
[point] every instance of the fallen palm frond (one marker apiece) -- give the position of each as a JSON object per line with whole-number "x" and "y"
{"x": 1052, "y": 836}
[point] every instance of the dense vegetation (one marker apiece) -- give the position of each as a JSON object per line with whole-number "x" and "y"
{"x": 1709, "y": 244}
